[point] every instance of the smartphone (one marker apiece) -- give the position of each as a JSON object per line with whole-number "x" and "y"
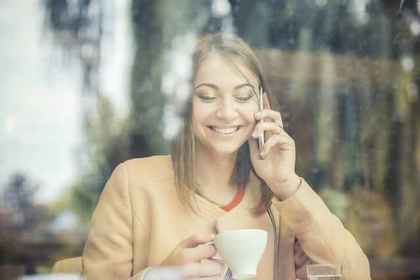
{"x": 260, "y": 108}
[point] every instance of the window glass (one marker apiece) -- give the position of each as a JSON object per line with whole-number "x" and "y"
{"x": 86, "y": 85}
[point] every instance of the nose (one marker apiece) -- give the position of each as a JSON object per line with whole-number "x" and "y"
{"x": 227, "y": 110}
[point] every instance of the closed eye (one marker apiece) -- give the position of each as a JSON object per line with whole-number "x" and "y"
{"x": 206, "y": 98}
{"x": 244, "y": 94}
{"x": 244, "y": 98}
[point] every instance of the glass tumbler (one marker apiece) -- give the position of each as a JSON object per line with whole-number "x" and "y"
{"x": 324, "y": 272}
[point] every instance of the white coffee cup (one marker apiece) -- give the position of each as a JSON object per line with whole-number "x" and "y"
{"x": 241, "y": 250}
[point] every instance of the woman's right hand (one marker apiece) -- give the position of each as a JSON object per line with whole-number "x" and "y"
{"x": 191, "y": 259}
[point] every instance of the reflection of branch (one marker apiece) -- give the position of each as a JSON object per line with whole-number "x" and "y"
{"x": 410, "y": 6}
{"x": 77, "y": 27}
{"x": 401, "y": 6}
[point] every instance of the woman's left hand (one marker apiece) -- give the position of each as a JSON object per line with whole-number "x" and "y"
{"x": 275, "y": 163}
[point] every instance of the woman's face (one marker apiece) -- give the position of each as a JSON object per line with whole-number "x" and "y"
{"x": 223, "y": 104}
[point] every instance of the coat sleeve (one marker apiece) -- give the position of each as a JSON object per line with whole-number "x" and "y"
{"x": 320, "y": 235}
{"x": 108, "y": 252}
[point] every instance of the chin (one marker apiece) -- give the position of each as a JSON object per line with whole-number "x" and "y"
{"x": 225, "y": 149}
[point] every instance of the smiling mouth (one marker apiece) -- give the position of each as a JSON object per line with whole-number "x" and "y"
{"x": 225, "y": 130}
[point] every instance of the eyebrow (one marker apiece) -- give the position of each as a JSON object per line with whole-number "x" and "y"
{"x": 216, "y": 87}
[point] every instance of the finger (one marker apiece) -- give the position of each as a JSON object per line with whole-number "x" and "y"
{"x": 165, "y": 273}
{"x": 263, "y": 127}
{"x": 204, "y": 269}
{"x": 267, "y": 105}
{"x": 197, "y": 239}
{"x": 199, "y": 253}
{"x": 214, "y": 261}
{"x": 205, "y": 278}
{"x": 216, "y": 257}
{"x": 281, "y": 140}
{"x": 275, "y": 116}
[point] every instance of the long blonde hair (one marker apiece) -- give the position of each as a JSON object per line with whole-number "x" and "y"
{"x": 183, "y": 147}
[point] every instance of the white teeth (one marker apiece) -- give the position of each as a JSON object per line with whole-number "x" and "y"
{"x": 225, "y": 130}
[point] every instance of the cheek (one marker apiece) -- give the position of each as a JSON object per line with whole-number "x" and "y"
{"x": 196, "y": 111}
{"x": 200, "y": 113}
{"x": 248, "y": 112}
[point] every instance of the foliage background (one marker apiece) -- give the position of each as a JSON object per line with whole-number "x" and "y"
{"x": 346, "y": 80}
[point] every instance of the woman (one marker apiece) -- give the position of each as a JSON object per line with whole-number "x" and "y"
{"x": 156, "y": 215}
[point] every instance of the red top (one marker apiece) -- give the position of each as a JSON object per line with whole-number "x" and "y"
{"x": 236, "y": 199}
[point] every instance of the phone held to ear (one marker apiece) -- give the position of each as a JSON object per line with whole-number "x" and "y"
{"x": 260, "y": 108}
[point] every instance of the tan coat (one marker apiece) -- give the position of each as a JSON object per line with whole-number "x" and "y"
{"x": 139, "y": 221}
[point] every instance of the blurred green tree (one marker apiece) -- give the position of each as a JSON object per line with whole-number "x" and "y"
{"x": 346, "y": 79}
{"x": 22, "y": 222}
